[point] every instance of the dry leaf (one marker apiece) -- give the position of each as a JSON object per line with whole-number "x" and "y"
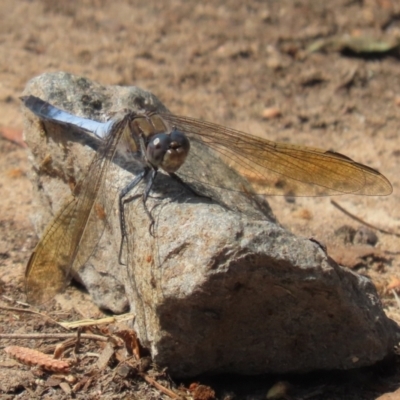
{"x": 201, "y": 392}
{"x": 105, "y": 356}
{"x": 278, "y": 391}
{"x": 271, "y": 112}
{"x": 354, "y": 256}
{"x": 131, "y": 342}
{"x": 394, "y": 284}
{"x": 36, "y": 358}
{"x": 13, "y": 135}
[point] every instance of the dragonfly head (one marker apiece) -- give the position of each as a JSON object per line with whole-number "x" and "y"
{"x": 168, "y": 151}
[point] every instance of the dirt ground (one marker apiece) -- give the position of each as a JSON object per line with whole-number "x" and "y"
{"x": 322, "y": 74}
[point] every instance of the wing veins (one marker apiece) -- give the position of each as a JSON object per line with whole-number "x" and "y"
{"x": 336, "y": 173}
{"x": 49, "y": 251}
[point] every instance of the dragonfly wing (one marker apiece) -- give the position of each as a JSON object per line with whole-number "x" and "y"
{"x": 49, "y": 268}
{"x": 280, "y": 168}
{"x": 47, "y": 272}
{"x": 48, "y": 112}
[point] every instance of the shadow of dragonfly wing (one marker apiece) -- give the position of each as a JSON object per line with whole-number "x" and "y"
{"x": 49, "y": 268}
{"x": 276, "y": 168}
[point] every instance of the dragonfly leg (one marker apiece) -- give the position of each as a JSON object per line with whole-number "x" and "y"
{"x": 146, "y": 192}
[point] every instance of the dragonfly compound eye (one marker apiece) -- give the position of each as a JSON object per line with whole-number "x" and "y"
{"x": 168, "y": 151}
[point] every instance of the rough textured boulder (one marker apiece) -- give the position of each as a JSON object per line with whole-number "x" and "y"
{"x": 217, "y": 286}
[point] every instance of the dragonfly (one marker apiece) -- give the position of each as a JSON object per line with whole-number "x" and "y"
{"x": 155, "y": 142}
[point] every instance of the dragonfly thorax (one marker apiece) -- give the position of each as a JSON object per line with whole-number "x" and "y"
{"x": 168, "y": 151}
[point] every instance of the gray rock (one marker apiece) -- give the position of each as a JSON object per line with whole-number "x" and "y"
{"x": 218, "y": 286}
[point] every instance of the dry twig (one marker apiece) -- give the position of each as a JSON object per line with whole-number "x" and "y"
{"x": 101, "y": 321}
{"x": 52, "y": 336}
{"x": 22, "y": 310}
{"x": 361, "y": 221}
{"x": 160, "y": 387}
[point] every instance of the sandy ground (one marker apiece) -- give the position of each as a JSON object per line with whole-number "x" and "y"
{"x": 247, "y": 66}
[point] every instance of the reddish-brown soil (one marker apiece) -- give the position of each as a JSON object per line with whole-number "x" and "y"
{"x": 246, "y": 65}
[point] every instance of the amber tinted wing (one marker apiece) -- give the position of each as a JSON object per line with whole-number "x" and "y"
{"x": 280, "y": 168}
{"x": 48, "y": 270}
